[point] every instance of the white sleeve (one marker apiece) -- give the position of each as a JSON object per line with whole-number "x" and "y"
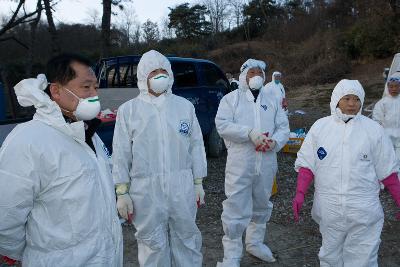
{"x": 122, "y": 147}
{"x": 19, "y": 185}
{"x": 281, "y": 134}
{"x": 197, "y": 150}
{"x": 226, "y": 127}
{"x": 306, "y": 157}
{"x": 384, "y": 157}
{"x": 378, "y": 114}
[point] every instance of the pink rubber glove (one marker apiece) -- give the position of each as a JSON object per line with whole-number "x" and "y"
{"x": 304, "y": 179}
{"x": 393, "y": 185}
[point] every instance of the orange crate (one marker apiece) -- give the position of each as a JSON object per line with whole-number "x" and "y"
{"x": 293, "y": 145}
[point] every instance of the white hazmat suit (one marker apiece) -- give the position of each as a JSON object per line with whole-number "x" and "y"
{"x": 249, "y": 173}
{"x": 57, "y": 200}
{"x": 158, "y": 148}
{"x": 387, "y": 113}
{"x": 348, "y": 160}
{"x": 277, "y": 89}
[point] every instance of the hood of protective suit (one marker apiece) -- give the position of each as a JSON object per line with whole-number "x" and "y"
{"x": 150, "y": 61}
{"x": 30, "y": 92}
{"x": 346, "y": 87}
{"x": 250, "y": 63}
{"x": 394, "y": 75}
{"x": 275, "y": 73}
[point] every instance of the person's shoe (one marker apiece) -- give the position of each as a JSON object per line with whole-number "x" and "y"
{"x": 261, "y": 251}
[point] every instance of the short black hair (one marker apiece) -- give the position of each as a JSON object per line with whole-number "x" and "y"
{"x": 59, "y": 68}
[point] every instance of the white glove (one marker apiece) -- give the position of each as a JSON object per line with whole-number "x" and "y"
{"x": 125, "y": 207}
{"x": 257, "y": 138}
{"x": 199, "y": 191}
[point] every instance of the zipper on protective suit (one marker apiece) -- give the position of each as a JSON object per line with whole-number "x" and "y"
{"x": 257, "y": 124}
{"x": 164, "y": 139}
{"x": 342, "y": 171}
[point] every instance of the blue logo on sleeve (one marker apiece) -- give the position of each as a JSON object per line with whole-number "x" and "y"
{"x": 321, "y": 153}
{"x": 184, "y": 128}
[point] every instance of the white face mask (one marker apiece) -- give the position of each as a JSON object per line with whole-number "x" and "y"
{"x": 256, "y": 82}
{"x": 87, "y": 109}
{"x": 342, "y": 116}
{"x": 159, "y": 83}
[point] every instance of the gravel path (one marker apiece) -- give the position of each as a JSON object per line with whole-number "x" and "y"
{"x": 293, "y": 244}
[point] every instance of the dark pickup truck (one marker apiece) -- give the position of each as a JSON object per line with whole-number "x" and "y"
{"x": 200, "y": 81}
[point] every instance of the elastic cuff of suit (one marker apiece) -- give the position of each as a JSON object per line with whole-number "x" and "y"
{"x": 198, "y": 181}
{"x": 121, "y": 189}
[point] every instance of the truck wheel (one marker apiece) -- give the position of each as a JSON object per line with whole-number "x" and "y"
{"x": 215, "y": 144}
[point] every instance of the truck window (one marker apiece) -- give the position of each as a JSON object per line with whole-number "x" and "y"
{"x": 184, "y": 74}
{"x": 126, "y": 78}
{"x": 213, "y": 76}
{"x": 111, "y": 77}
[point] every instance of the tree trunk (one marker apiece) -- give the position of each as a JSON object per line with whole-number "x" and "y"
{"x": 31, "y": 52}
{"x": 263, "y": 10}
{"x": 395, "y": 5}
{"x": 55, "y": 43}
{"x": 106, "y": 28}
{"x": 8, "y": 92}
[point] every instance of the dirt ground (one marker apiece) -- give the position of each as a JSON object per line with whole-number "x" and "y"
{"x": 293, "y": 244}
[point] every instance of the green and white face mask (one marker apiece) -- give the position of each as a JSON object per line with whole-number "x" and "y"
{"x": 87, "y": 109}
{"x": 159, "y": 83}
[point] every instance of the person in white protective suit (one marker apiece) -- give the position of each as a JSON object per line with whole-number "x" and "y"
{"x": 347, "y": 155}
{"x": 57, "y": 199}
{"x": 159, "y": 162}
{"x": 254, "y": 127}
{"x": 234, "y": 84}
{"x": 275, "y": 86}
{"x": 387, "y": 111}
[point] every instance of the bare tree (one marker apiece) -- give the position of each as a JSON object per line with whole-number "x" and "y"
{"x": 17, "y": 18}
{"x": 93, "y": 17}
{"x": 55, "y": 42}
{"x": 217, "y": 12}
{"x": 137, "y": 33}
{"x": 151, "y": 33}
{"x": 127, "y": 22}
{"x": 166, "y": 31}
{"x": 237, "y": 10}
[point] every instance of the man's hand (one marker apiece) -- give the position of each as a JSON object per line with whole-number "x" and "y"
{"x": 268, "y": 146}
{"x": 125, "y": 207}
{"x": 258, "y": 139}
{"x": 284, "y": 104}
{"x": 199, "y": 191}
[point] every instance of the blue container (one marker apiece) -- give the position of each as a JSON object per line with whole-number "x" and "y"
{"x": 2, "y": 103}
